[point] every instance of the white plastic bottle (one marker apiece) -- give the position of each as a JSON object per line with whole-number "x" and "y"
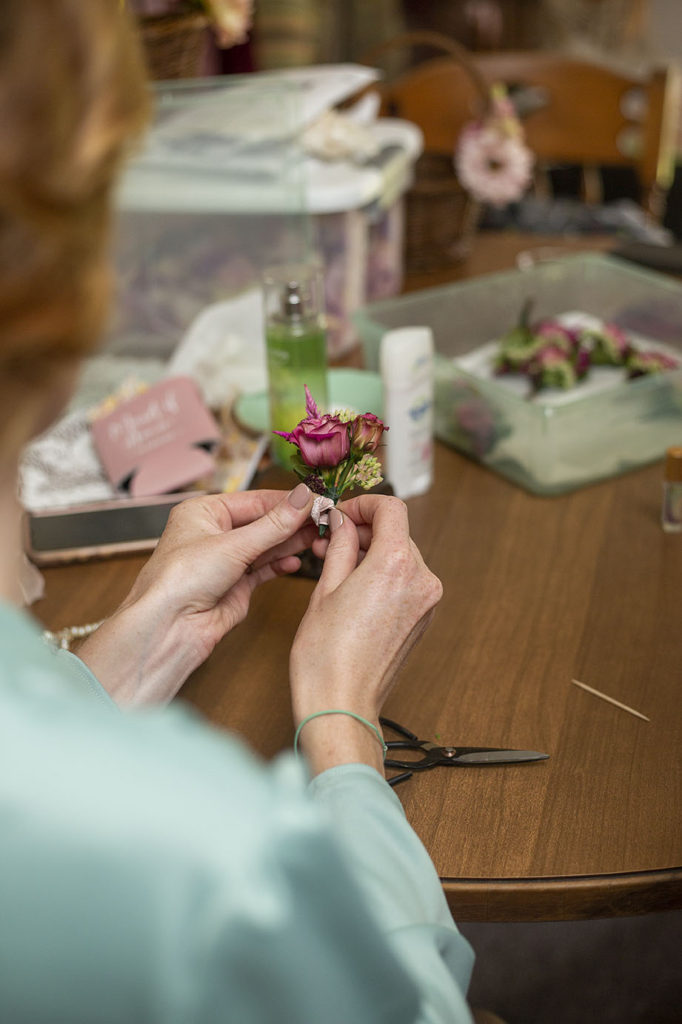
{"x": 406, "y": 365}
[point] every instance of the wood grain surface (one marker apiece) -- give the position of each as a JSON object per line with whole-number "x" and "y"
{"x": 537, "y": 591}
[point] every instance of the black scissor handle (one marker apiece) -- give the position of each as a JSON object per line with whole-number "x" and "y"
{"x": 388, "y": 723}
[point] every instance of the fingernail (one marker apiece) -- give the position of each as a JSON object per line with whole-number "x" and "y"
{"x": 335, "y": 519}
{"x": 299, "y": 496}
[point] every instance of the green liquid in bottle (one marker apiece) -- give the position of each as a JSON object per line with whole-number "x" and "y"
{"x": 296, "y": 355}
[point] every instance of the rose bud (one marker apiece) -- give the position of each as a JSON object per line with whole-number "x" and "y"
{"x": 365, "y": 432}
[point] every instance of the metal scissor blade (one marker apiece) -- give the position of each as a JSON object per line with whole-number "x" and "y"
{"x": 499, "y": 757}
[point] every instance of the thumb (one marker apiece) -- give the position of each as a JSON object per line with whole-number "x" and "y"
{"x": 342, "y": 553}
{"x": 277, "y": 525}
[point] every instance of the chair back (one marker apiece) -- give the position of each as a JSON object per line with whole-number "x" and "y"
{"x": 592, "y": 116}
{"x": 439, "y": 96}
{"x": 576, "y": 112}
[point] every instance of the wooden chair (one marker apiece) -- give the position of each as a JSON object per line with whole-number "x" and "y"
{"x": 579, "y": 113}
{"x": 439, "y": 95}
{"x": 589, "y": 115}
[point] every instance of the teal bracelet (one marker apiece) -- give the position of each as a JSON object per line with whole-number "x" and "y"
{"x": 339, "y": 711}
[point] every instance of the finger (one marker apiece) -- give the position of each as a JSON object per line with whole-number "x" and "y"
{"x": 279, "y": 524}
{"x": 385, "y": 516}
{"x": 299, "y": 542}
{"x": 320, "y": 544}
{"x": 280, "y": 567}
{"x": 232, "y": 510}
{"x": 342, "y": 553}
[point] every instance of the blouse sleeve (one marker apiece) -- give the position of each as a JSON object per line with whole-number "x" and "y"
{"x": 401, "y": 887}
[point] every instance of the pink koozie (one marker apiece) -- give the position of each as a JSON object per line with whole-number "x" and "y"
{"x": 158, "y": 441}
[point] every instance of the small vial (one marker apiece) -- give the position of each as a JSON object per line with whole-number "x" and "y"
{"x": 671, "y": 512}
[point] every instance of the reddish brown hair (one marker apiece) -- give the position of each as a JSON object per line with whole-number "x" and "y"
{"x": 73, "y": 94}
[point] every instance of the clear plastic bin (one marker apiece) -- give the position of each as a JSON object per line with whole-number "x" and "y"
{"x": 217, "y": 193}
{"x": 547, "y": 449}
{"x": 223, "y": 189}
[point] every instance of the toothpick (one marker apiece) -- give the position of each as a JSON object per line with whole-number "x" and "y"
{"x": 611, "y": 700}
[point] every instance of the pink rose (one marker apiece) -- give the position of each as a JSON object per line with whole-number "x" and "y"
{"x": 366, "y": 431}
{"x": 323, "y": 441}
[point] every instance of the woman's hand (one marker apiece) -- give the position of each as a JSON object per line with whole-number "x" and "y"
{"x": 196, "y": 587}
{"x": 374, "y": 599}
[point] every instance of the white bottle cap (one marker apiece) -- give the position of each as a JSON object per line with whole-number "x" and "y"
{"x": 402, "y": 350}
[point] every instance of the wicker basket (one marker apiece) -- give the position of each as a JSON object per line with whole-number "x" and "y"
{"x": 440, "y": 217}
{"x": 174, "y": 44}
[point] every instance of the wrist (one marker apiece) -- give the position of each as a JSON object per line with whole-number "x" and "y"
{"x": 333, "y": 737}
{"x": 140, "y": 655}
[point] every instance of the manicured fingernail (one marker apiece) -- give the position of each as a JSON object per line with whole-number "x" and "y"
{"x": 299, "y": 496}
{"x": 335, "y": 519}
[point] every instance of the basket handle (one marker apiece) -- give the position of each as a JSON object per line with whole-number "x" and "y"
{"x": 437, "y": 41}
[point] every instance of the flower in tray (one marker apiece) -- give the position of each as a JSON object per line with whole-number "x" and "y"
{"x": 641, "y": 364}
{"x": 475, "y": 421}
{"x": 553, "y": 367}
{"x": 334, "y": 452}
{"x": 492, "y": 160}
{"x": 551, "y": 332}
{"x": 518, "y": 345}
{"x": 608, "y": 345}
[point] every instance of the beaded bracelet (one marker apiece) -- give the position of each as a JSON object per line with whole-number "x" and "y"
{"x": 63, "y": 638}
{"x": 339, "y": 711}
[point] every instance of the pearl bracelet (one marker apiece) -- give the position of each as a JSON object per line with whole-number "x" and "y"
{"x": 63, "y": 638}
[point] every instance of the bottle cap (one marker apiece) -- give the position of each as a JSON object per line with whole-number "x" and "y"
{"x": 294, "y": 292}
{"x": 292, "y": 301}
{"x": 673, "y": 464}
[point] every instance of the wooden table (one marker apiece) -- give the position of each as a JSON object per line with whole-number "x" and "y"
{"x": 537, "y": 591}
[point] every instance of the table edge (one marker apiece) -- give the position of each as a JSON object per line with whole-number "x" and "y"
{"x": 564, "y": 898}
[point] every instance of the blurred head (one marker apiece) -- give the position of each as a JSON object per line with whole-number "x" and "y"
{"x": 73, "y": 97}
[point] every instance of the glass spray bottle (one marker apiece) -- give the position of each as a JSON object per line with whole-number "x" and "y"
{"x": 296, "y": 349}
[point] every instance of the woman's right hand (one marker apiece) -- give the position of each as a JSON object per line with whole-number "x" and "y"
{"x": 373, "y": 601}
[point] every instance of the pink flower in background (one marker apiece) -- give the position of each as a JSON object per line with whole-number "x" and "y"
{"x": 640, "y": 364}
{"x": 493, "y": 168}
{"x": 608, "y": 345}
{"x": 554, "y": 333}
{"x": 492, "y": 160}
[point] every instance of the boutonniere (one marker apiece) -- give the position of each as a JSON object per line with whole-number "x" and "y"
{"x": 334, "y": 452}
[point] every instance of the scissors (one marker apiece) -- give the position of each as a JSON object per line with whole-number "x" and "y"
{"x": 454, "y": 757}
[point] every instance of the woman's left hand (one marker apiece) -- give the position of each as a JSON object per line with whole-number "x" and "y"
{"x": 196, "y": 587}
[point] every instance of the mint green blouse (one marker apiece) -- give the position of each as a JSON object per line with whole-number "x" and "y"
{"x": 153, "y": 869}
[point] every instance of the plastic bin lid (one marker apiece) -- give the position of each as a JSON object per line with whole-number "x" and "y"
{"x": 257, "y": 183}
